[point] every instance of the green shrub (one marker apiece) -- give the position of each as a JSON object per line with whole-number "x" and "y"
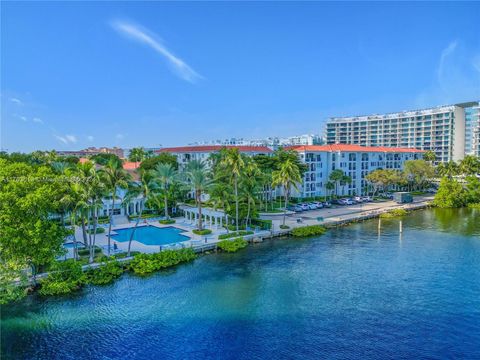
{"x": 103, "y": 220}
{"x": 202, "y": 232}
{"x": 284, "y": 227}
{"x": 105, "y": 274}
{"x": 124, "y": 254}
{"x": 86, "y": 252}
{"x": 263, "y": 224}
{"x": 234, "y": 234}
{"x": 309, "y": 231}
{"x": 144, "y": 216}
{"x": 99, "y": 230}
{"x": 65, "y": 277}
{"x": 144, "y": 264}
{"x": 394, "y": 213}
{"x": 166, "y": 221}
{"x": 232, "y": 245}
{"x": 234, "y": 227}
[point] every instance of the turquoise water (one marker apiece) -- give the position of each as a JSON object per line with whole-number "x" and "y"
{"x": 151, "y": 235}
{"x": 353, "y": 293}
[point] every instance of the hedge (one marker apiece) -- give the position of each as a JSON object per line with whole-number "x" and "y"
{"x": 394, "y": 213}
{"x": 105, "y": 274}
{"x": 202, "y": 232}
{"x": 232, "y": 245}
{"x": 234, "y": 234}
{"x": 98, "y": 230}
{"x": 309, "y": 231}
{"x": 65, "y": 277}
{"x": 284, "y": 227}
{"x": 166, "y": 221}
{"x": 86, "y": 251}
{"x": 145, "y": 264}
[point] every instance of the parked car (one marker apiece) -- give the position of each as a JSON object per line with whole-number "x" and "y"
{"x": 311, "y": 206}
{"x": 318, "y": 204}
{"x": 348, "y": 201}
{"x": 291, "y": 208}
{"x": 298, "y": 208}
{"x": 338, "y": 202}
{"x": 327, "y": 204}
{"x": 305, "y": 207}
{"x": 358, "y": 199}
{"x": 367, "y": 199}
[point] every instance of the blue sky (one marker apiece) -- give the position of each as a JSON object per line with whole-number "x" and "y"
{"x": 147, "y": 73}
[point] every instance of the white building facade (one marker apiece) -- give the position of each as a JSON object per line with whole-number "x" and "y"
{"x": 354, "y": 160}
{"x": 450, "y": 131}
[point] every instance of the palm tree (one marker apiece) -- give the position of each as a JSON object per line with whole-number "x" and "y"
{"x": 429, "y": 156}
{"x": 329, "y": 186}
{"x": 345, "y": 181}
{"x": 114, "y": 178}
{"x": 137, "y": 155}
{"x": 288, "y": 176}
{"x": 167, "y": 175}
{"x": 221, "y": 196}
{"x": 249, "y": 186}
{"x": 448, "y": 169}
{"x": 143, "y": 188}
{"x": 336, "y": 176}
{"x": 470, "y": 165}
{"x": 234, "y": 163}
{"x": 199, "y": 180}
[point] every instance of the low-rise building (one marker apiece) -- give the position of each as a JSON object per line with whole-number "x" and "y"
{"x": 92, "y": 151}
{"x": 354, "y": 160}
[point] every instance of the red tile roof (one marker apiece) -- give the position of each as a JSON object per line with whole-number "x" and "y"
{"x": 353, "y": 148}
{"x": 211, "y": 148}
{"x": 129, "y": 165}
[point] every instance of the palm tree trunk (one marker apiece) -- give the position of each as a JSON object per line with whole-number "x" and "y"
{"x": 92, "y": 248}
{"x": 166, "y": 204}
{"x": 133, "y": 231}
{"x": 285, "y": 209}
{"x": 199, "y": 206}
{"x": 236, "y": 203}
{"x": 110, "y": 222}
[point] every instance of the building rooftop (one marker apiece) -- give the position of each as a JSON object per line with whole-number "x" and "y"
{"x": 352, "y": 148}
{"x": 210, "y": 148}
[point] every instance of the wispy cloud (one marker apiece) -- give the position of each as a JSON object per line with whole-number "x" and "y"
{"x": 456, "y": 77}
{"x": 144, "y": 36}
{"x": 119, "y": 136}
{"x": 37, "y": 120}
{"x": 67, "y": 139}
{"x": 21, "y": 117}
{"x": 16, "y": 101}
{"x": 90, "y": 138}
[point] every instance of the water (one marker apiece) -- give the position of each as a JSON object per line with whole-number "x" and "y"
{"x": 151, "y": 235}
{"x": 352, "y": 293}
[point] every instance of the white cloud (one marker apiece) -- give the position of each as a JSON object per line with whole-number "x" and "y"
{"x": 447, "y": 52}
{"x": 119, "y": 136}
{"x": 21, "y": 117}
{"x": 61, "y": 138}
{"x": 37, "y": 120}
{"x": 16, "y": 101}
{"x": 90, "y": 138}
{"x": 67, "y": 139}
{"x": 142, "y": 35}
{"x": 71, "y": 138}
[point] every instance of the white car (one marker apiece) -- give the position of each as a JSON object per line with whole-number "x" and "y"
{"x": 358, "y": 199}
{"x": 348, "y": 201}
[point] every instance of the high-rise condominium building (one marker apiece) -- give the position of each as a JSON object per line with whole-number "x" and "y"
{"x": 451, "y": 131}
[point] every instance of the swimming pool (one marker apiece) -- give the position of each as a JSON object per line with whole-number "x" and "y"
{"x": 151, "y": 235}
{"x": 71, "y": 245}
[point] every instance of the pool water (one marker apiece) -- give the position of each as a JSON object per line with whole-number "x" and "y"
{"x": 151, "y": 235}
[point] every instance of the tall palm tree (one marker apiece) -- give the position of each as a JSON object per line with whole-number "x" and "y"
{"x": 166, "y": 174}
{"x": 221, "y": 196}
{"x": 114, "y": 178}
{"x": 336, "y": 176}
{"x": 448, "y": 169}
{"x": 345, "y": 181}
{"x": 143, "y": 188}
{"x": 329, "y": 186}
{"x": 249, "y": 186}
{"x": 199, "y": 180}
{"x": 234, "y": 163}
{"x": 288, "y": 175}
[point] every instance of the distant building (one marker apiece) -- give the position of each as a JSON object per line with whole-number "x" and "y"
{"x": 271, "y": 142}
{"x": 92, "y": 151}
{"x": 451, "y": 131}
